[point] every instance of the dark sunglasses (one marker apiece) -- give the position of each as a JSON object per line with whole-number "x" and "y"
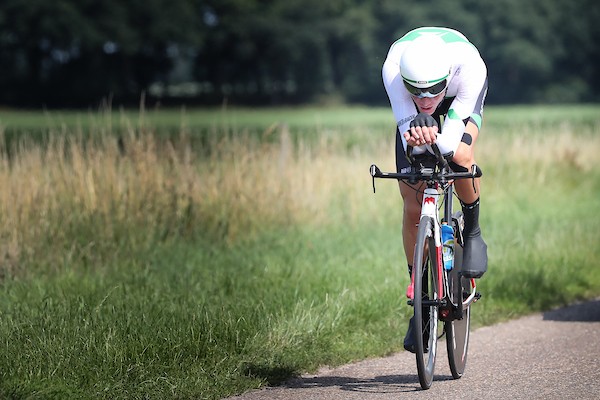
{"x": 430, "y": 91}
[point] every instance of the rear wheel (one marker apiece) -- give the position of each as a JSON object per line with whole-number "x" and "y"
{"x": 457, "y": 329}
{"x": 426, "y": 327}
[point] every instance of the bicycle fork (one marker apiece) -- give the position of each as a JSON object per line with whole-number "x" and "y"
{"x": 429, "y": 209}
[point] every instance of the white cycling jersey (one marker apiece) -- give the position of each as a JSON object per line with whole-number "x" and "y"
{"x": 467, "y": 86}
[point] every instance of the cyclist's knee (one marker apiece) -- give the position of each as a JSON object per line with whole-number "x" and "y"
{"x": 412, "y": 202}
{"x": 412, "y": 209}
{"x": 464, "y": 156}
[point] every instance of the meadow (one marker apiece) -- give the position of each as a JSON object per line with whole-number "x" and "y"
{"x": 196, "y": 254}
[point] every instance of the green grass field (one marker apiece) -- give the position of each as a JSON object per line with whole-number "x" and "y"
{"x": 196, "y": 254}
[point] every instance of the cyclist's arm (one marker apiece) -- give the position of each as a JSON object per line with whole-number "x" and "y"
{"x": 472, "y": 86}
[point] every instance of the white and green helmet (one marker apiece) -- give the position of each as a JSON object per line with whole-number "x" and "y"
{"x": 425, "y": 63}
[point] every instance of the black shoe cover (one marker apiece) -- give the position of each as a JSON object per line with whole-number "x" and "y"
{"x": 409, "y": 339}
{"x": 410, "y": 344}
{"x": 474, "y": 257}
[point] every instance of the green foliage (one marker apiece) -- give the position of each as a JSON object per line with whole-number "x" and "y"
{"x": 73, "y": 52}
{"x": 76, "y": 53}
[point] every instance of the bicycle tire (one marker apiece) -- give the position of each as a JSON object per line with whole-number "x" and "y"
{"x": 425, "y": 316}
{"x": 457, "y": 330}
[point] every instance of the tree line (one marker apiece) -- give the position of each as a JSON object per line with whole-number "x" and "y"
{"x": 265, "y": 52}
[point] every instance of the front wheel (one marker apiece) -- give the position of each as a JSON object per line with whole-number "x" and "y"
{"x": 426, "y": 292}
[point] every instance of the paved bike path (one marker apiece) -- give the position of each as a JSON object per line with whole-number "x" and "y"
{"x": 554, "y": 355}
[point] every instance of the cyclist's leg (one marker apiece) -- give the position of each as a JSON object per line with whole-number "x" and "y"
{"x": 411, "y": 198}
{"x": 411, "y": 215}
{"x": 410, "y": 219}
{"x": 475, "y": 252}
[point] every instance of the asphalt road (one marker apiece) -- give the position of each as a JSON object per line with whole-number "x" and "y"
{"x": 555, "y": 355}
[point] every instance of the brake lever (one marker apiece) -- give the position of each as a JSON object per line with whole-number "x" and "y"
{"x": 374, "y": 171}
{"x": 474, "y": 172}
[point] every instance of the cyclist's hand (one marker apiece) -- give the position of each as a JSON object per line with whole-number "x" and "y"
{"x": 423, "y": 130}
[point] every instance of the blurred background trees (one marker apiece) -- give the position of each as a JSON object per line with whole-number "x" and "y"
{"x": 77, "y": 53}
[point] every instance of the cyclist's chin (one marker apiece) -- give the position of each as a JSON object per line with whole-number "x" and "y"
{"x": 427, "y": 110}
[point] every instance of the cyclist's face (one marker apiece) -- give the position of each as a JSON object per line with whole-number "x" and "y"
{"x": 428, "y": 104}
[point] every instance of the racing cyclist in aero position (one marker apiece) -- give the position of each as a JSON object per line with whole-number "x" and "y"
{"x": 428, "y": 73}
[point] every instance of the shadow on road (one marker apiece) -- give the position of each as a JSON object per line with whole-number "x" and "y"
{"x": 379, "y": 384}
{"x": 582, "y": 312}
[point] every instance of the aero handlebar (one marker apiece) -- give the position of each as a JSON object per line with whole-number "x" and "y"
{"x": 438, "y": 172}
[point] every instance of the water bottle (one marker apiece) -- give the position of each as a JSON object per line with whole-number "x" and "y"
{"x": 447, "y": 246}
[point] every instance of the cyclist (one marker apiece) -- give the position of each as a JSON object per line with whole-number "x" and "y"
{"x": 432, "y": 72}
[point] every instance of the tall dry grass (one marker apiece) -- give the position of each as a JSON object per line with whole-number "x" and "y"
{"x": 84, "y": 196}
{"x": 89, "y": 194}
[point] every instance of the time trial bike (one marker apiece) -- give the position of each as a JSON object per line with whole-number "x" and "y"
{"x": 440, "y": 295}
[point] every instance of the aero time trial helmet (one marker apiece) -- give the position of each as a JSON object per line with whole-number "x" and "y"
{"x": 425, "y": 66}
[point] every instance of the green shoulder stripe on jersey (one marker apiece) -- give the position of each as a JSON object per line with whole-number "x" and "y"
{"x": 477, "y": 119}
{"x": 452, "y": 114}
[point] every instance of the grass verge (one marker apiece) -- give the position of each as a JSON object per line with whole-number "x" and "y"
{"x": 163, "y": 267}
